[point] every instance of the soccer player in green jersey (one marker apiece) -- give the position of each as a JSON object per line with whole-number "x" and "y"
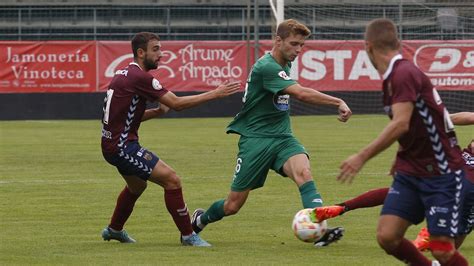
{"x": 266, "y": 140}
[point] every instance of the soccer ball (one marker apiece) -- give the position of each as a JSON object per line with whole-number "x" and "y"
{"x": 306, "y": 230}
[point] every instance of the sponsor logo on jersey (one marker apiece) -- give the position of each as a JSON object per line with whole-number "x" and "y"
{"x": 282, "y": 102}
{"x": 468, "y": 158}
{"x": 156, "y": 84}
{"x": 283, "y": 75}
{"x": 437, "y": 209}
{"x": 442, "y": 223}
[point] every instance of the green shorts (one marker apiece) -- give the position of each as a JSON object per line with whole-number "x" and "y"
{"x": 258, "y": 155}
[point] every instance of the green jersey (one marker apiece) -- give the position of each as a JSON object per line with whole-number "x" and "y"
{"x": 266, "y": 110}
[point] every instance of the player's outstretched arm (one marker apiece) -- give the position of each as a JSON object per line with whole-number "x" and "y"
{"x": 184, "y": 102}
{"x": 312, "y": 96}
{"x": 463, "y": 118}
{"x": 399, "y": 124}
{"x": 155, "y": 112}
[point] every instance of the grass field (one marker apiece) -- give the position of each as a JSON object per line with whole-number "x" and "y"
{"x": 57, "y": 193}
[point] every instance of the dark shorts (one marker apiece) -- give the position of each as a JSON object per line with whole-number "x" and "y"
{"x": 439, "y": 199}
{"x": 467, "y": 221}
{"x": 133, "y": 160}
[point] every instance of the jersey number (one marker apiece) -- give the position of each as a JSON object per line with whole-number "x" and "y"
{"x": 106, "y": 108}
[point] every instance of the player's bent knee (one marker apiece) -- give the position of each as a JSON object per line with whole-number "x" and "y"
{"x": 137, "y": 188}
{"x": 173, "y": 182}
{"x": 387, "y": 241}
{"x": 306, "y": 174}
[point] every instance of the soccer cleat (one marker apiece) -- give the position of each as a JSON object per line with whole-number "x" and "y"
{"x": 196, "y": 214}
{"x": 323, "y": 213}
{"x": 121, "y": 236}
{"x": 422, "y": 241}
{"x": 332, "y": 235}
{"x": 194, "y": 240}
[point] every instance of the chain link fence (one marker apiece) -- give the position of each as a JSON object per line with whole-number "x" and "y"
{"x": 253, "y": 19}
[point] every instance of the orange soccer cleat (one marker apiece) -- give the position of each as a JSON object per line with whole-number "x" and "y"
{"x": 422, "y": 241}
{"x": 326, "y": 212}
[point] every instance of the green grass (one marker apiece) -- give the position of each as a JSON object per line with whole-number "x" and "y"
{"x": 57, "y": 193}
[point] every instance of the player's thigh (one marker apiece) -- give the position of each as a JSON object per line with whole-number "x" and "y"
{"x": 291, "y": 159}
{"x": 298, "y": 168}
{"x": 135, "y": 184}
{"x": 253, "y": 163}
{"x": 165, "y": 176}
{"x": 135, "y": 160}
{"x": 403, "y": 199}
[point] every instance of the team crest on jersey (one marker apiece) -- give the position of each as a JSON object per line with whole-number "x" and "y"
{"x": 283, "y": 75}
{"x": 156, "y": 84}
{"x": 147, "y": 156}
{"x": 281, "y": 101}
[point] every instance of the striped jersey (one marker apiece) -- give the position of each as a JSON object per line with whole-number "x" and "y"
{"x": 430, "y": 146}
{"x": 125, "y": 104}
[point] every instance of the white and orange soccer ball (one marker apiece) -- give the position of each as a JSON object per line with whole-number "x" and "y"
{"x": 307, "y": 230}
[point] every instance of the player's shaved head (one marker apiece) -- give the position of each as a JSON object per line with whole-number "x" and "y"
{"x": 141, "y": 39}
{"x": 382, "y": 33}
{"x": 292, "y": 26}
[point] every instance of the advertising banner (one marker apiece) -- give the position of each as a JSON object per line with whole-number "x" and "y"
{"x": 47, "y": 67}
{"x": 184, "y": 66}
{"x": 202, "y": 65}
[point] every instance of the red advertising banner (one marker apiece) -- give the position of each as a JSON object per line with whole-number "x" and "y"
{"x": 344, "y": 65}
{"x": 184, "y": 66}
{"x": 47, "y": 67}
{"x": 449, "y": 64}
{"x": 334, "y": 66}
{"x": 202, "y": 65}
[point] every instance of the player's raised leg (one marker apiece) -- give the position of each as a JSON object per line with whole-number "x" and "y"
{"x": 368, "y": 199}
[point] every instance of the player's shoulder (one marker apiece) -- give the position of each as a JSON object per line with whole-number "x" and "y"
{"x": 406, "y": 67}
{"x": 266, "y": 64}
{"x": 406, "y": 70}
{"x": 134, "y": 71}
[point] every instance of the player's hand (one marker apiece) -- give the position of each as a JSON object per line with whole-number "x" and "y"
{"x": 344, "y": 112}
{"x": 227, "y": 88}
{"x": 349, "y": 168}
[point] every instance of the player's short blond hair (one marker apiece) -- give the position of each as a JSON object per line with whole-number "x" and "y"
{"x": 292, "y": 26}
{"x": 382, "y": 33}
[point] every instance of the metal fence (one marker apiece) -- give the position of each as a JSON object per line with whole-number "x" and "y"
{"x": 327, "y": 21}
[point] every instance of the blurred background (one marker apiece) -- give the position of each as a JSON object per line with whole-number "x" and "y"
{"x": 244, "y": 25}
